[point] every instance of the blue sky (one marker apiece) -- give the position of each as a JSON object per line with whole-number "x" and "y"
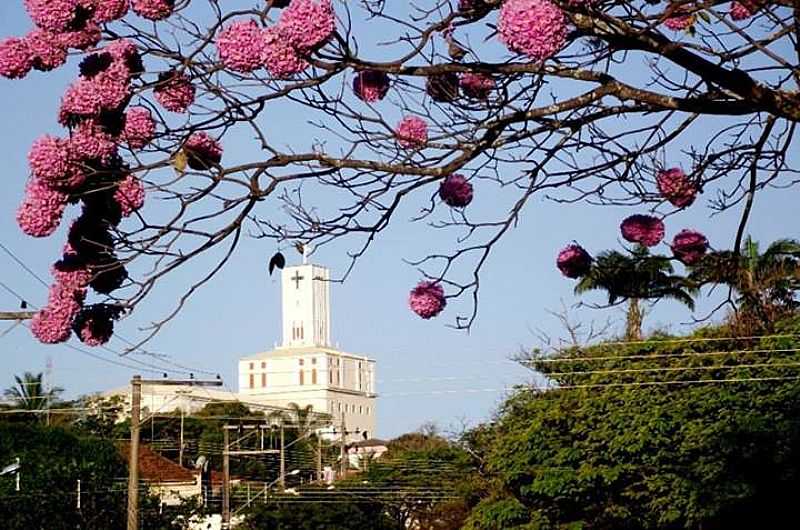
{"x": 426, "y": 370}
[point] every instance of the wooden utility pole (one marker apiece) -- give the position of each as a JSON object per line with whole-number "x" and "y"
{"x": 226, "y": 480}
{"x": 16, "y": 315}
{"x": 180, "y": 451}
{"x": 342, "y": 452}
{"x": 133, "y": 457}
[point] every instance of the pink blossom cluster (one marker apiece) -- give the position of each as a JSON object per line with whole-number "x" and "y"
{"x": 52, "y": 15}
{"x": 645, "y": 230}
{"x": 203, "y": 151}
{"x": 16, "y": 59}
{"x": 371, "y": 85}
{"x": 129, "y": 195}
{"x": 94, "y": 325}
{"x": 153, "y": 9}
{"x": 175, "y": 92}
{"x": 82, "y": 39}
{"x": 90, "y": 142}
{"x": 477, "y": 86}
{"x": 307, "y": 24}
{"x": 689, "y": 246}
{"x": 53, "y": 163}
{"x": 743, "y": 10}
{"x": 573, "y": 261}
{"x": 675, "y": 187}
{"x": 456, "y": 191}
{"x": 140, "y": 128}
{"x": 535, "y": 28}
{"x": 280, "y": 58}
{"x": 427, "y": 299}
{"x": 108, "y": 10}
{"x": 412, "y": 132}
{"x": 47, "y": 51}
{"x": 87, "y": 97}
{"x": 680, "y": 21}
{"x": 72, "y": 275}
{"x": 53, "y": 323}
{"x": 242, "y": 46}
{"x": 41, "y": 210}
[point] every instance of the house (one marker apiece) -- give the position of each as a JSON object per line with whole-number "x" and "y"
{"x": 166, "y": 479}
{"x": 360, "y": 453}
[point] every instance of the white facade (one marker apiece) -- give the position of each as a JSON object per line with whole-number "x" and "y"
{"x": 305, "y": 369}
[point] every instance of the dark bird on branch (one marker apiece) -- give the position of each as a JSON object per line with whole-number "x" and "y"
{"x": 277, "y": 261}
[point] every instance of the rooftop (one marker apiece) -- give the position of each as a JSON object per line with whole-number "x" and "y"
{"x": 290, "y": 352}
{"x": 155, "y": 468}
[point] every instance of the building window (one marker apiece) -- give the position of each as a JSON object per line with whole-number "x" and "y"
{"x": 252, "y": 365}
{"x": 360, "y": 410}
{"x": 252, "y": 380}
{"x": 314, "y": 376}
{"x": 263, "y": 380}
{"x": 263, "y": 366}
{"x": 301, "y": 377}
{"x": 313, "y": 360}
{"x": 301, "y": 362}
{"x": 367, "y": 411}
{"x": 330, "y": 377}
{"x": 340, "y": 407}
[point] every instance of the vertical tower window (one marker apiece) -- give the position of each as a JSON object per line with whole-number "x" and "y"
{"x": 252, "y": 380}
{"x": 314, "y": 376}
{"x": 301, "y": 377}
{"x": 263, "y": 380}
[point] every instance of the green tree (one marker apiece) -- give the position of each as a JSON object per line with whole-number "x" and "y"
{"x": 628, "y": 440}
{"x": 639, "y": 276}
{"x": 29, "y": 393}
{"x": 764, "y": 284}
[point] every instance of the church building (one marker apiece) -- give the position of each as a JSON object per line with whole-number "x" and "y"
{"x": 306, "y": 369}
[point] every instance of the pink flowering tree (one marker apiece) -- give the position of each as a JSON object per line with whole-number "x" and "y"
{"x": 465, "y": 101}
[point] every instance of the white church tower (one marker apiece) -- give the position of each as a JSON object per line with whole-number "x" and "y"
{"x": 306, "y": 369}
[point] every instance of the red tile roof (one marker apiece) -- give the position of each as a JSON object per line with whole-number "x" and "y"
{"x": 155, "y": 468}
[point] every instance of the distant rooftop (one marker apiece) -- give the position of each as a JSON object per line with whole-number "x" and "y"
{"x": 304, "y": 350}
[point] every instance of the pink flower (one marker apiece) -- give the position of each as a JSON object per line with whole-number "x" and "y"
{"x": 82, "y": 39}
{"x": 412, "y": 132}
{"x": 129, "y": 195}
{"x": 442, "y": 87}
{"x": 175, "y": 92}
{"x": 52, "y": 163}
{"x": 108, "y": 10}
{"x": 203, "y": 151}
{"x": 46, "y": 49}
{"x": 477, "y": 86}
{"x": 371, "y": 85}
{"x": 643, "y": 229}
{"x": 81, "y": 100}
{"x": 113, "y": 85}
{"x": 90, "y": 142}
{"x": 16, "y": 58}
{"x": 52, "y": 15}
{"x": 680, "y": 19}
{"x": 689, "y": 246}
{"x": 241, "y": 46}
{"x": 675, "y": 187}
{"x": 280, "y": 57}
{"x": 153, "y": 9}
{"x": 53, "y": 323}
{"x": 427, "y": 299}
{"x": 743, "y": 10}
{"x": 94, "y": 325}
{"x": 455, "y": 191}
{"x": 121, "y": 49}
{"x": 139, "y": 127}
{"x": 573, "y": 261}
{"x": 308, "y": 24}
{"x": 41, "y": 210}
{"x": 72, "y": 275}
{"x": 536, "y": 28}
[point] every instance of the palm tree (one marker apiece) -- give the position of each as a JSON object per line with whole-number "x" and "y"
{"x": 303, "y": 419}
{"x": 29, "y": 393}
{"x": 764, "y": 284}
{"x": 640, "y": 276}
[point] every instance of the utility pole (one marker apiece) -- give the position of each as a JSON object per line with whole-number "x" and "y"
{"x": 133, "y": 458}
{"x": 342, "y": 455}
{"x": 19, "y": 472}
{"x": 283, "y": 460}
{"x": 16, "y": 315}
{"x": 180, "y": 452}
{"x": 79, "y": 494}
{"x": 226, "y": 480}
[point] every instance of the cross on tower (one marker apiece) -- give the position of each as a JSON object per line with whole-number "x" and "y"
{"x": 297, "y": 279}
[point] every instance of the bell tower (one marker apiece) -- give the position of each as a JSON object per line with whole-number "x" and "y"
{"x": 306, "y": 306}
